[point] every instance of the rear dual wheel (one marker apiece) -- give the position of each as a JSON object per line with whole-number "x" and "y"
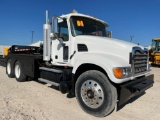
{"x": 20, "y": 77}
{"x": 95, "y": 94}
{"x": 9, "y": 69}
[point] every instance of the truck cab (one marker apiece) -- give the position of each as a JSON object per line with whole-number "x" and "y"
{"x": 70, "y": 28}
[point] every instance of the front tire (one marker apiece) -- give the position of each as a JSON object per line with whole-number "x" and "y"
{"x": 95, "y": 94}
{"x": 9, "y": 69}
{"x": 20, "y": 77}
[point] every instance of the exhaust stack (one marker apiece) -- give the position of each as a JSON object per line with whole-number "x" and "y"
{"x": 46, "y": 40}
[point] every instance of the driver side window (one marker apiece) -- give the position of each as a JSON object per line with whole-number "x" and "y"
{"x": 63, "y": 30}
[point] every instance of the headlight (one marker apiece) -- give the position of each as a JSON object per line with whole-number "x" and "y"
{"x": 122, "y": 72}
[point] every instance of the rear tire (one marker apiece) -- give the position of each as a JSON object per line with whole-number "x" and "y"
{"x": 9, "y": 69}
{"x": 95, "y": 94}
{"x": 20, "y": 77}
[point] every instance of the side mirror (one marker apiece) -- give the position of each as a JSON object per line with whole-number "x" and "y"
{"x": 55, "y": 25}
{"x": 54, "y": 33}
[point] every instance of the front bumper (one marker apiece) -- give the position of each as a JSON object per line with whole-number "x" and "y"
{"x": 133, "y": 88}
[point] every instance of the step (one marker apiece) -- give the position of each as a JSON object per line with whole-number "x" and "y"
{"x": 49, "y": 82}
{"x": 50, "y": 69}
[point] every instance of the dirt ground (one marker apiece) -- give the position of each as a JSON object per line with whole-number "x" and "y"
{"x": 35, "y": 101}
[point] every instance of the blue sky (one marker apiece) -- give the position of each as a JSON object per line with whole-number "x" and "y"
{"x": 138, "y": 18}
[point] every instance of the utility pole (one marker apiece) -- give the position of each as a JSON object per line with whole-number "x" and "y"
{"x": 32, "y": 36}
{"x": 131, "y": 36}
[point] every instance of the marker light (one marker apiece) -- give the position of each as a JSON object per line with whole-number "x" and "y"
{"x": 118, "y": 73}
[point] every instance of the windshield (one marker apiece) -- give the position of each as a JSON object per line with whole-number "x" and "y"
{"x": 155, "y": 45}
{"x": 86, "y": 26}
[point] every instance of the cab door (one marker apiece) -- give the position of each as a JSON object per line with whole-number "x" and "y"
{"x": 60, "y": 47}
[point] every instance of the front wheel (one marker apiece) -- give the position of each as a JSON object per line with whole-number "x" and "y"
{"x": 95, "y": 94}
{"x": 20, "y": 77}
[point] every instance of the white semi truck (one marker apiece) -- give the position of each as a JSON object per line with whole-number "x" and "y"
{"x": 78, "y": 57}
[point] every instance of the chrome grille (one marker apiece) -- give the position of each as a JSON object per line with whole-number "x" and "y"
{"x": 139, "y": 60}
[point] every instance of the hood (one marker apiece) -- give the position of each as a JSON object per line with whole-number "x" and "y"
{"x": 106, "y": 45}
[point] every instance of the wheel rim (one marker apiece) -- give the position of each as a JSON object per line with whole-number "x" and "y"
{"x": 92, "y": 94}
{"x": 17, "y": 71}
{"x": 8, "y": 68}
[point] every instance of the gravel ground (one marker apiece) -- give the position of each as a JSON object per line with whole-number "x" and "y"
{"x": 35, "y": 101}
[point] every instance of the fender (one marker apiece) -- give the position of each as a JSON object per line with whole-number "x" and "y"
{"x": 105, "y": 61}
